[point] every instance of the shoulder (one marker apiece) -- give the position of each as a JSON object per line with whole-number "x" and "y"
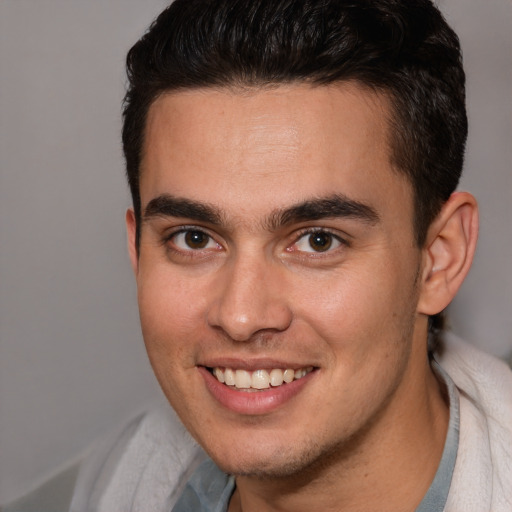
{"x": 483, "y": 379}
{"x": 483, "y": 470}
{"x": 142, "y": 466}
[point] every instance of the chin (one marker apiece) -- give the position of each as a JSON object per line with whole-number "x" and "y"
{"x": 271, "y": 462}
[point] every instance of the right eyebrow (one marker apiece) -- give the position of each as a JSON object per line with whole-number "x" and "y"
{"x": 169, "y": 206}
{"x": 334, "y": 206}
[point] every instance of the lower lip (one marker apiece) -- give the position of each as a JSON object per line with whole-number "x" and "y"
{"x": 253, "y": 402}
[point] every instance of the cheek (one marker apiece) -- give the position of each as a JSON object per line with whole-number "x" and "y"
{"x": 170, "y": 314}
{"x": 166, "y": 297}
{"x": 359, "y": 308}
{"x": 171, "y": 311}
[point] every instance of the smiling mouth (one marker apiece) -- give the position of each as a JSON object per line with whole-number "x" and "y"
{"x": 259, "y": 379}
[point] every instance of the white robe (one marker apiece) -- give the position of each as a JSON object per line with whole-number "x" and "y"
{"x": 482, "y": 478}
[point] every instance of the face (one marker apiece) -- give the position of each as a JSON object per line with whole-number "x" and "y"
{"x": 277, "y": 275}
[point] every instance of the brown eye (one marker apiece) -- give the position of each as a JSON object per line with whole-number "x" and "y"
{"x": 196, "y": 239}
{"x": 320, "y": 241}
{"x": 317, "y": 241}
{"x": 193, "y": 240}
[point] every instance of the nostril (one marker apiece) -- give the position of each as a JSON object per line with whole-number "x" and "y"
{"x": 247, "y": 302}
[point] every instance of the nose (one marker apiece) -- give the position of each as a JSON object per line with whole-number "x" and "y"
{"x": 250, "y": 299}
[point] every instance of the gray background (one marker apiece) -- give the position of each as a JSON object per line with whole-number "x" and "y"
{"x": 72, "y": 363}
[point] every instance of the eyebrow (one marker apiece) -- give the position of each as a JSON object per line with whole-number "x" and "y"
{"x": 169, "y": 206}
{"x": 335, "y": 206}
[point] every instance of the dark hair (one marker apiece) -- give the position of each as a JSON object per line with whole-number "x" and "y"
{"x": 403, "y": 48}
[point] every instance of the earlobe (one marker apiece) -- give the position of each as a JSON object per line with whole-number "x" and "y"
{"x": 131, "y": 231}
{"x": 448, "y": 252}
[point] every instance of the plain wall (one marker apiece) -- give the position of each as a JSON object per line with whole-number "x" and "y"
{"x": 72, "y": 362}
{"x": 482, "y": 311}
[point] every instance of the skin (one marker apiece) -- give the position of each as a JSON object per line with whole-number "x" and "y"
{"x": 370, "y": 420}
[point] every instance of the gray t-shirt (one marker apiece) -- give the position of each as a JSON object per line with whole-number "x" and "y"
{"x": 209, "y": 489}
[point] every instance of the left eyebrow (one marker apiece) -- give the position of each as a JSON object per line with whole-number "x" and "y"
{"x": 169, "y": 206}
{"x": 335, "y": 206}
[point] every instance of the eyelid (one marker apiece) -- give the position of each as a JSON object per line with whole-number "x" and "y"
{"x": 316, "y": 229}
{"x": 184, "y": 228}
{"x": 173, "y": 232}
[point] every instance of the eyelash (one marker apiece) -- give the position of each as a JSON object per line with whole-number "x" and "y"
{"x": 195, "y": 253}
{"x": 316, "y": 230}
{"x": 183, "y": 230}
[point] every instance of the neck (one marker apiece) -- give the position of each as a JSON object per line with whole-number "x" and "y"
{"x": 396, "y": 457}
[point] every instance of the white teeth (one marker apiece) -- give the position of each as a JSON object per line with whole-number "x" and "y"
{"x": 288, "y": 376}
{"x": 229, "y": 376}
{"x": 276, "y": 377}
{"x": 302, "y": 372}
{"x": 219, "y": 374}
{"x": 259, "y": 379}
{"x": 242, "y": 379}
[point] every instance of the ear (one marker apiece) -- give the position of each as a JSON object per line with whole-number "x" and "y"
{"x": 131, "y": 230}
{"x": 448, "y": 252}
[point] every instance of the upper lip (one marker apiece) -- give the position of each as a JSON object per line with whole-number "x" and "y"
{"x": 252, "y": 364}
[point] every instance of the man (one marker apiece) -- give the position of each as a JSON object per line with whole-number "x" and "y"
{"x": 295, "y": 231}
{"x": 295, "y": 235}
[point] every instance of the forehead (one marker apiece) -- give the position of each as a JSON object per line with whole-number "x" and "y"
{"x": 289, "y": 143}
